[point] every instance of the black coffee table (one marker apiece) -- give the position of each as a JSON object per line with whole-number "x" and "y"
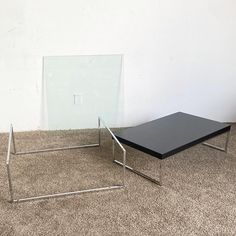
{"x": 169, "y": 135}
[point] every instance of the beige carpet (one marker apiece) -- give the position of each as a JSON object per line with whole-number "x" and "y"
{"x": 198, "y": 196}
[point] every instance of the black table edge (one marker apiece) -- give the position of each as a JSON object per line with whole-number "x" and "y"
{"x": 163, "y": 156}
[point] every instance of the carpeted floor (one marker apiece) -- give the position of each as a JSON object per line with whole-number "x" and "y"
{"x": 198, "y": 196}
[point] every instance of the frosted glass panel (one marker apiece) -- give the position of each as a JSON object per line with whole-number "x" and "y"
{"x": 78, "y": 89}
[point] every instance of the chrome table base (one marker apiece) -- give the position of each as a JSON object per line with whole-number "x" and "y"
{"x": 159, "y": 182}
{"x": 11, "y": 145}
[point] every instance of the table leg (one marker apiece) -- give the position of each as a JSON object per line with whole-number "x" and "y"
{"x": 159, "y": 182}
{"x": 224, "y": 149}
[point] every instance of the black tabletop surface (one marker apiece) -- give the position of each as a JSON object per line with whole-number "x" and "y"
{"x": 170, "y": 134}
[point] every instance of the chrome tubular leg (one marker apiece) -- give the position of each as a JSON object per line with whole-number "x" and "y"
{"x": 224, "y": 149}
{"x": 56, "y": 149}
{"x": 10, "y": 183}
{"x": 160, "y": 173}
{"x": 159, "y": 182}
{"x": 227, "y": 142}
{"x": 113, "y": 149}
{"x": 99, "y": 132}
{"x": 124, "y": 166}
{"x": 67, "y": 193}
{"x": 13, "y": 141}
{"x": 8, "y": 161}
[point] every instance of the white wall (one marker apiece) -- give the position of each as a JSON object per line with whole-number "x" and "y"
{"x": 179, "y": 55}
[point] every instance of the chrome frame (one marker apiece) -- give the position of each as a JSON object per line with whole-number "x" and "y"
{"x": 11, "y": 145}
{"x": 159, "y": 182}
{"x": 224, "y": 149}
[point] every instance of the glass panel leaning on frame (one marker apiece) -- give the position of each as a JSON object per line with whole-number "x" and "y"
{"x": 77, "y": 89}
